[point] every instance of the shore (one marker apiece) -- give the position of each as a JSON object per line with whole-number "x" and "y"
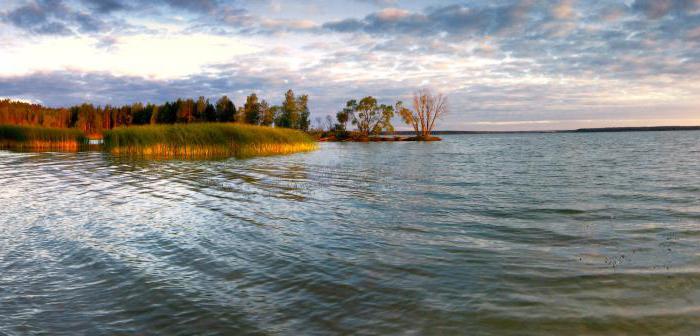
{"x": 379, "y": 139}
{"x": 580, "y": 130}
{"x": 197, "y": 140}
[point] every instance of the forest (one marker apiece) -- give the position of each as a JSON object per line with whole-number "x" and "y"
{"x": 293, "y": 113}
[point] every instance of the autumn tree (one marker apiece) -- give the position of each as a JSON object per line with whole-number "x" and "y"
{"x": 154, "y": 115}
{"x": 86, "y": 118}
{"x": 293, "y": 113}
{"x": 200, "y": 109}
{"x": 268, "y": 114}
{"x": 185, "y": 110}
{"x": 427, "y": 109}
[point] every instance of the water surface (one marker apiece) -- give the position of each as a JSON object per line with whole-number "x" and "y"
{"x": 480, "y": 235}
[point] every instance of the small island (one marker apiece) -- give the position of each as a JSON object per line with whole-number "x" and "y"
{"x": 374, "y": 121}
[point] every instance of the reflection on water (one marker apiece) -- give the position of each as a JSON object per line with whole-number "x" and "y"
{"x": 488, "y": 234}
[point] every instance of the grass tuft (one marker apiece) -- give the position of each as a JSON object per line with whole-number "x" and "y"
{"x": 206, "y": 140}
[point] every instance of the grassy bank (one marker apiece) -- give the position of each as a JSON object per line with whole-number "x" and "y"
{"x": 40, "y": 138}
{"x": 206, "y": 140}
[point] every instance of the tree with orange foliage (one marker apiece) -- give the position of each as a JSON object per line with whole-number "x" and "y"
{"x": 427, "y": 109}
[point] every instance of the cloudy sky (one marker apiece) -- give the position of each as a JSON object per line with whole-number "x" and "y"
{"x": 504, "y": 64}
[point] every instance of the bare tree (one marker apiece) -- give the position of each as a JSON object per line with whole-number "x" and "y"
{"x": 427, "y": 109}
{"x": 329, "y": 124}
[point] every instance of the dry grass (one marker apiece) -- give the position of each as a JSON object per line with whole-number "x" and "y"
{"x": 206, "y": 140}
{"x": 40, "y": 138}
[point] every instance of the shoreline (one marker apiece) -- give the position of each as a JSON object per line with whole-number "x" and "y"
{"x": 380, "y": 138}
{"x": 579, "y": 130}
{"x": 196, "y": 140}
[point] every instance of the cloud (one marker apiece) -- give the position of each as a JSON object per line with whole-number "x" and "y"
{"x": 59, "y": 17}
{"x": 194, "y": 5}
{"x": 54, "y": 17}
{"x": 380, "y": 3}
{"x": 656, "y": 9}
{"x": 41, "y": 17}
{"x": 62, "y": 88}
{"x": 564, "y": 10}
{"x": 105, "y": 6}
{"x": 450, "y": 19}
{"x": 88, "y": 23}
{"x": 502, "y": 62}
{"x": 392, "y": 14}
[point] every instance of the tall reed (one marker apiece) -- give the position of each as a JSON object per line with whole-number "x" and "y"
{"x": 40, "y": 138}
{"x": 206, "y": 140}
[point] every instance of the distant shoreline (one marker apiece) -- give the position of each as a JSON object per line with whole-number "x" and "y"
{"x": 580, "y": 130}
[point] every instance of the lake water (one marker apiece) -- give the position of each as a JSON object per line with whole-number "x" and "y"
{"x": 479, "y": 235}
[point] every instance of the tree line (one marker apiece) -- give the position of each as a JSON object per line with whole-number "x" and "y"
{"x": 367, "y": 115}
{"x": 293, "y": 112}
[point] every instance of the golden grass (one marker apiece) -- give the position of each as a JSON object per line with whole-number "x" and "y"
{"x": 40, "y": 138}
{"x": 40, "y": 145}
{"x": 206, "y": 140}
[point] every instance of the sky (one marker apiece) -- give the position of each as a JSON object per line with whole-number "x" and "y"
{"x": 503, "y": 64}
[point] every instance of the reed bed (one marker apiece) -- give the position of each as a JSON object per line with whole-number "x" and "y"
{"x": 206, "y": 140}
{"x": 40, "y": 138}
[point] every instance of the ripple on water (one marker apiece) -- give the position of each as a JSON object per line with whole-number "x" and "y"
{"x": 495, "y": 234}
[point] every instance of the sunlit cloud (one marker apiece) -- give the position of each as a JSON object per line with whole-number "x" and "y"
{"x": 502, "y": 63}
{"x": 166, "y": 56}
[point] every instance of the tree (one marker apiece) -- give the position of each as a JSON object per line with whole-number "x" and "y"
{"x": 343, "y": 117}
{"x": 276, "y": 112}
{"x": 86, "y": 118}
{"x": 201, "y": 109}
{"x": 294, "y": 112}
{"x": 140, "y": 115}
{"x": 329, "y": 124}
{"x": 168, "y": 113}
{"x": 252, "y": 113}
{"x": 289, "y": 114}
{"x": 369, "y": 117}
{"x": 185, "y": 110}
{"x": 225, "y": 110}
{"x": 154, "y": 115}
{"x": 268, "y": 114}
{"x": 210, "y": 112}
{"x": 427, "y": 109}
{"x": 304, "y": 120}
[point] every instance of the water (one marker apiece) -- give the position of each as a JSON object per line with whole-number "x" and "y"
{"x": 480, "y": 235}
